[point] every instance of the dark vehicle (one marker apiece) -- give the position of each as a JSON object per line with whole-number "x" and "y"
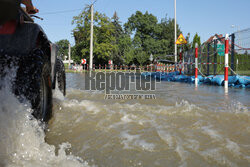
{"x": 25, "y": 47}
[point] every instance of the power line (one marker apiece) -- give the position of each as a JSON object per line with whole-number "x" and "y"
{"x": 66, "y": 11}
{"x": 58, "y": 12}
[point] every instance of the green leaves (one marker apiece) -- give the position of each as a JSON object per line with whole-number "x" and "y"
{"x": 104, "y": 39}
{"x": 196, "y": 40}
{"x": 141, "y": 36}
{"x": 149, "y": 36}
{"x": 63, "y": 48}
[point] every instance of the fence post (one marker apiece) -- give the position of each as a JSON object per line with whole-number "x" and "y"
{"x": 208, "y": 47}
{"x": 180, "y": 65}
{"x": 183, "y": 64}
{"x": 232, "y": 53}
{"x": 188, "y": 66}
{"x": 200, "y": 58}
{"x": 226, "y": 62}
{"x": 196, "y": 65}
{"x": 191, "y": 65}
{"x": 215, "y": 57}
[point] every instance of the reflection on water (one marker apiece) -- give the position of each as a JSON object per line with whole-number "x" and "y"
{"x": 182, "y": 127}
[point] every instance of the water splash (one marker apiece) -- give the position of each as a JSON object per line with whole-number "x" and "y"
{"x": 22, "y": 138}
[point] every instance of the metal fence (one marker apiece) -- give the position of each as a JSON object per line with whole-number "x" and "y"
{"x": 212, "y": 55}
{"x": 241, "y": 51}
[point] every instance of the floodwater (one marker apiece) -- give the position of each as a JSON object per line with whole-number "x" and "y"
{"x": 183, "y": 126}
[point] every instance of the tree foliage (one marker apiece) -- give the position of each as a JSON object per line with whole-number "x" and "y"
{"x": 150, "y": 37}
{"x": 103, "y": 37}
{"x": 141, "y": 36}
{"x": 118, "y": 34}
{"x": 197, "y": 40}
{"x": 63, "y": 46}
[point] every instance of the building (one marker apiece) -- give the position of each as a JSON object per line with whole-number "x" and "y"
{"x": 220, "y": 39}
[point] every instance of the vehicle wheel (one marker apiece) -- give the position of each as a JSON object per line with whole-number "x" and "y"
{"x": 33, "y": 82}
{"x": 60, "y": 75}
{"x": 43, "y": 104}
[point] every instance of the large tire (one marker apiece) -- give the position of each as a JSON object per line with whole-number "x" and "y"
{"x": 33, "y": 82}
{"x": 60, "y": 76}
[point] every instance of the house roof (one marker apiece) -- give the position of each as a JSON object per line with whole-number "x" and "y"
{"x": 219, "y": 37}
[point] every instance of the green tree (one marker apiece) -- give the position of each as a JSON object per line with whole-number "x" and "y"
{"x": 63, "y": 46}
{"x": 141, "y": 57}
{"x": 117, "y": 25}
{"x": 197, "y": 40}
{"x": 126, "y": 49}
{"x": 142, "y": 35}
{"x": 129, "y": 56}
{"x": 187, "y": 46}
{"x": 144, "y": 28}
{"x": 118, "y": 34}
{"x": 167, "y": 33}
{"x": 149, "y": 35}
{"x": 104, "y": 41}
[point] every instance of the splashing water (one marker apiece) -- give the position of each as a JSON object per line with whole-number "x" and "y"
{"x": 22, "y": 138}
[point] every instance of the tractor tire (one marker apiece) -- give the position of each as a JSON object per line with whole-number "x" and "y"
{"x": 33, "y": 82}
{"x": 60, "y": 76}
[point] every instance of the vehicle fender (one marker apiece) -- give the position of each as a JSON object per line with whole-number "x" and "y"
{"x": 24, "y": 39}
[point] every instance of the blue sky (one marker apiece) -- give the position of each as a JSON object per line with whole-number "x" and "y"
{"x": 206, "y": 17}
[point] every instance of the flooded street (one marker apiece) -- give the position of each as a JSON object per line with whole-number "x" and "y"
{"x": 182, "y": 127}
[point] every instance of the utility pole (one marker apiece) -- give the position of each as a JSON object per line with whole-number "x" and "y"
{"x": 91, "y": 37}
{"x": 175, "y": 33}
{"x": 69, "y": 54}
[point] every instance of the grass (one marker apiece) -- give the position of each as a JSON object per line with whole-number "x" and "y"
{"x": 243, "y": 72}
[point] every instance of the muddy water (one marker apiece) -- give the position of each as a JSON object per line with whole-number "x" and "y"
{"x": 182, "y": 127}
{"x": 22, "y": 138}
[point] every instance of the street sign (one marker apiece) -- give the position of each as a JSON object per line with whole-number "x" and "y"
{"x": 84, "y": 61}
{"x": 181, "y": 40}
{"x": 110, "y": 62}
{"x": 221, "y": 49}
